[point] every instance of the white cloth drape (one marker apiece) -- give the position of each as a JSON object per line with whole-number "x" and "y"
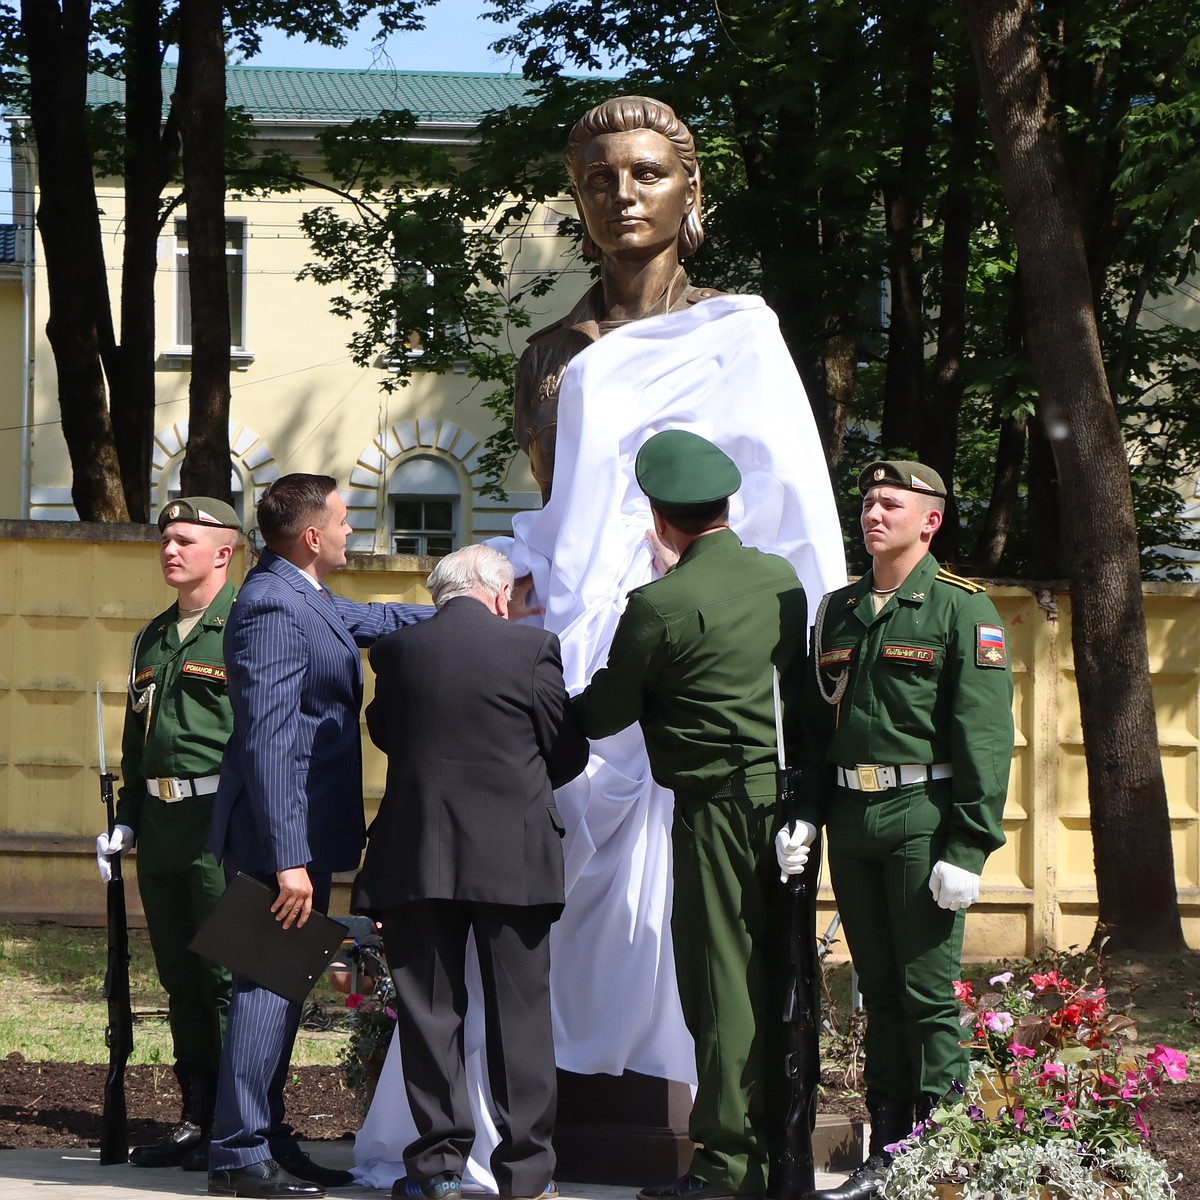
{"x": 722, "y": 370}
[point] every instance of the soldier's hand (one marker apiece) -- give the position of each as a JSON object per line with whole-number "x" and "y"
{"x": 664, "y": 557}
{"x": 953, "y": 887}
{"x": 518, "y": 604}
{"x": 792, "y": 848}
{"x": 294, "y": 902}
{"x": 121, "y": 838}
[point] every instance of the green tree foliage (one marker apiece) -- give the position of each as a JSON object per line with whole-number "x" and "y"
{"x": 850, "y": 179}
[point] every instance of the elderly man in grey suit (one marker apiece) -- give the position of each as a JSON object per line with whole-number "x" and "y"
{"x": 289, "y": 807}
{"x": 473, "y": 715}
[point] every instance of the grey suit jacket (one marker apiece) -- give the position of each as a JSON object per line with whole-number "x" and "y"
{"x": 473, "y": 715}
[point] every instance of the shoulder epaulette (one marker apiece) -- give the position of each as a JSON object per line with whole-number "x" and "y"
{"x": 944, "y": 576}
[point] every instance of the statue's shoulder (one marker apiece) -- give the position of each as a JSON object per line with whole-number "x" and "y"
{"x": 693, "y": 295}
{"x": 585, "y": 309}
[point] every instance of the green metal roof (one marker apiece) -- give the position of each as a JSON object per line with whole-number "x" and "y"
{"x": 316, "y": 94}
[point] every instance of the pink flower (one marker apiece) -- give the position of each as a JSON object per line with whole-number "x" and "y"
{"x": 1049, "y": 982}
{"x": 1019, "y": 1051}
{"x": 354, "y": 999}
{"x": 1052, "y": 1070}
{"x": 998, "y": 1022}
{"x": 1172, "y": 1063}
{"x": 1142, "y": 1127}
{"x": 962, "y": 991}
{"x": 1003, "y": 977}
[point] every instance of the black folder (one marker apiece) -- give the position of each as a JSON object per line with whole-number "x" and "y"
{"x": 241, "y": 933}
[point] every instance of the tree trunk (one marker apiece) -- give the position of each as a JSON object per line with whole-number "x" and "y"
{"x": 904, "y": 415}
{"x": 1006, "y": 479}
{"x": 939, "y": 447}
{"x": 1044, "y": 534}
{"x": 201, "y": 101}
{"x": 79, "y": 321}
{"x": 147, "y": 166}
{"x": 1135, "y": 877}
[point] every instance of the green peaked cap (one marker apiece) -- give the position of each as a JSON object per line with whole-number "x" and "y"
{"x": 683, "y": 470}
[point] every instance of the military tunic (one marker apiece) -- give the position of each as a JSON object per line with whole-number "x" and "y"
{"x": 691, "y": 660}
{"x": 181, "y": 734}
{"x": 929, "y": 683}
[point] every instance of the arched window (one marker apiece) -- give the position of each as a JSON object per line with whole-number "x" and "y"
{"x": 424, "y": 503}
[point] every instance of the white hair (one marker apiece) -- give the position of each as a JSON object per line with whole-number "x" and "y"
{"x": 467, "y": 571}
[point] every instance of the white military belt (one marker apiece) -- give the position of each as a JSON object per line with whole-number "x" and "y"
{"x": 874, "y": 778}
{"x": 171, "y": 790}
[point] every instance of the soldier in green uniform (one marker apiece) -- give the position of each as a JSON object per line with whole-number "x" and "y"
{"x": 177, "y": 721}
{"x": 909, "y": 712}
{"x": 691, "y": 660}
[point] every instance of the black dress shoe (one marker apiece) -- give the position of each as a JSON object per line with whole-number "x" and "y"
{"x": 265, "y": 1180}
{"x": 690, "y": 1187}
{"x": 295, "y": 1162}
{"x": 171, "y": 1150}
{"x": 196, "y": 1159}
{"x": 864, "y": 1181}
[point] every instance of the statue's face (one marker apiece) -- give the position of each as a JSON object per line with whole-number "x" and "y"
{"x": 633, "y": 193}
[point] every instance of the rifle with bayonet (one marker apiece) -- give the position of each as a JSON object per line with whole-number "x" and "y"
{"x": 118, "y": 1034}
{"x": 802, "y": 1061}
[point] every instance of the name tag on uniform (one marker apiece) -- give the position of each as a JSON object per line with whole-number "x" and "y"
{"x": 990, "y": 647}
{"x": 916, "y": 656}
{"x": 205, "y": 670}
{"x": 832, "y": 658}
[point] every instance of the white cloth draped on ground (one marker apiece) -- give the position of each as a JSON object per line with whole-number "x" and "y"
{"x": 720, "y": 369}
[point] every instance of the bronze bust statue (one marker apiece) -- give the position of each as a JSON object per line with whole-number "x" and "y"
{"x": 636, "y": 184}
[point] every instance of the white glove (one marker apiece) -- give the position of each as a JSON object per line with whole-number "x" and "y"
{"x": 952, "y": 887}
{"x": 122, "y": 838}
{"x": 791, "y": 848}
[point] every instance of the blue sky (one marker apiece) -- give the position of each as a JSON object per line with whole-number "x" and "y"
{"x": 455, "y": 38}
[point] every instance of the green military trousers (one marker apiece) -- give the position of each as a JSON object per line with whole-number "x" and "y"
{"x": 729, "y": 926}
{"x": 180, "y": 881}
{"x": 907, "y": 950}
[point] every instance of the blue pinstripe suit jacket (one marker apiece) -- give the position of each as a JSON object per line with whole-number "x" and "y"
{"x": 291, "y": 779}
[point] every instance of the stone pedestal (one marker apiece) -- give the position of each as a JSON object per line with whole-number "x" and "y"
{"x": 631, "y": 1130}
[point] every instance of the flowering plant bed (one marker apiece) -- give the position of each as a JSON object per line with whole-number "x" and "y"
{"x": 1066, "y": 1121}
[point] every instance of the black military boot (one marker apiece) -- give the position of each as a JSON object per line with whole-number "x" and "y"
{"x": 891, "y": 1121}
{"x": 170, "y": 1151}
{"x": 205, "y": 1090}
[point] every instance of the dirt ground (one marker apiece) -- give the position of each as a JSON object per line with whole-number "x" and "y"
{"x": 58, "y": 1105}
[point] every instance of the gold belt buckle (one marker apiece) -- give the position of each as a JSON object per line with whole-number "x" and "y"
{"x": 868, "y": 779}
{"x": 166, "y": 790}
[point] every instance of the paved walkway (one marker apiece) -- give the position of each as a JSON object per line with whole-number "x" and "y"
{"x": 59, "y": 1174}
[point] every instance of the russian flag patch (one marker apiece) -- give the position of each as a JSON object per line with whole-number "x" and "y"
{"x": 991, "y": 650}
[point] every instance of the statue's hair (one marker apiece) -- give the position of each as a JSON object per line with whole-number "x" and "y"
{"x": 624, "y": 114}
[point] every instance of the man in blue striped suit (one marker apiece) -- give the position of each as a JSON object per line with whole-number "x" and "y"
{"x": 289, "y": 807}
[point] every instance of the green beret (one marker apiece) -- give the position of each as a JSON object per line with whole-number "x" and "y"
{"x": 914, "y": 476}
{"x": 199, "y": 510}
{"x": 683, "y": 470}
